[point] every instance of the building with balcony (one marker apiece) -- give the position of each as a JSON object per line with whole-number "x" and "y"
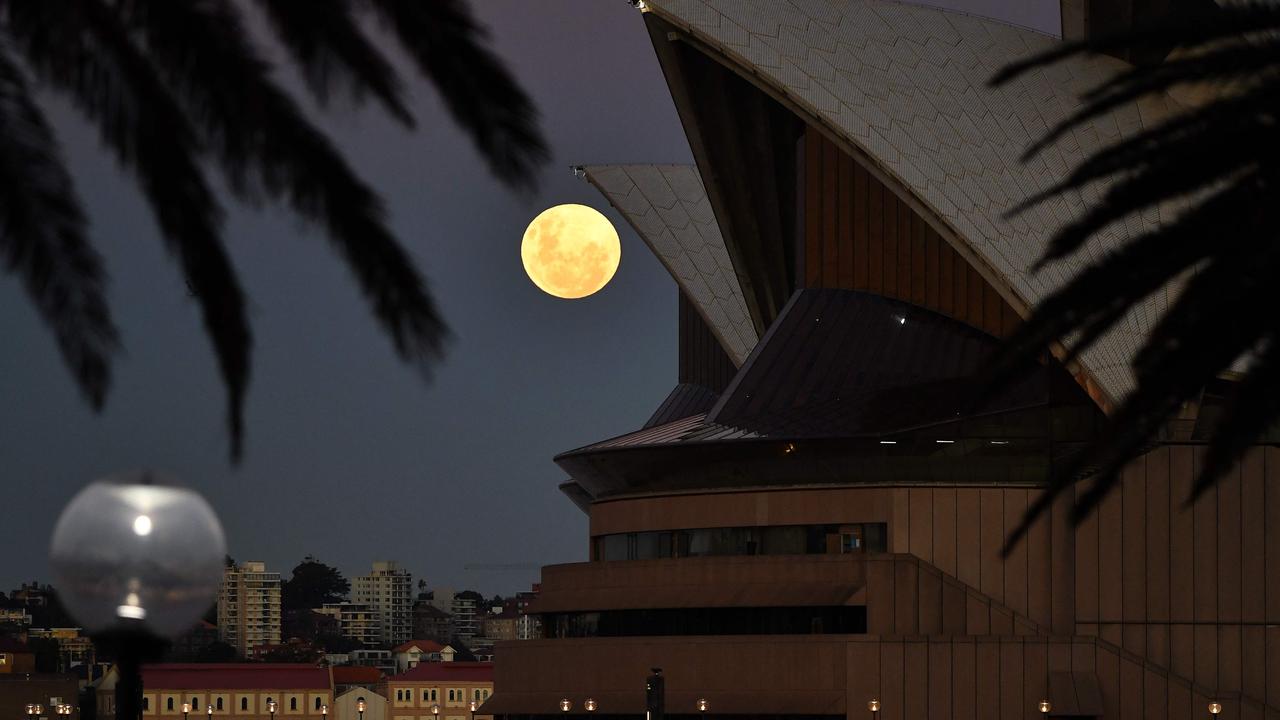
{"x": 387, "y": 590}
{"x": 249, "y": 607}
{"x": 359, "y": 621}
{"x": 814, "y": 516}
{"x": 408, "y": 655}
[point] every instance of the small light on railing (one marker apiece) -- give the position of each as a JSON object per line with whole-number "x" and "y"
{"x": 589, "y": 705}
{"x": 703, "y": 705}
{"x": 1045, "y": 707}
{"x": 566, "y": 705}
{"x": 1215, "y": 708}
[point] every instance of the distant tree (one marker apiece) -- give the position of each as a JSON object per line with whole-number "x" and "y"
{"x": 216, "y": 652}
{"x": 228, "y": 561}
{"x": 461, "y": 653}
{"x": 294, "y": 651}
{"x": 336, "y": 643}
{"x": 177, "y": 89}
{"x": 313, "y": 584}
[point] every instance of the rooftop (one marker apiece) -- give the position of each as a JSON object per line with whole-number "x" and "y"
{"x": 235, "y": 676}
{"x": 447, "y": 672}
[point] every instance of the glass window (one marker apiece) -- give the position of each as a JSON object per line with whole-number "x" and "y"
{"x": 244, "y": 703}
{"x": 293, "y": 703}
{"x": 219, "y": 703}
{"x": 613, "y": 547}
{"x": 317, "y": 703}
{"x": 168, "y": 705}
{"x": 146, "y": 704}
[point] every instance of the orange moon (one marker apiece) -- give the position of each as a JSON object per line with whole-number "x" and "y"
{"x": 570, "y": 251}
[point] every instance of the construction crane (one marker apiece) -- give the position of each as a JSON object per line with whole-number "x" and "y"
{"x": 503, "y": 567}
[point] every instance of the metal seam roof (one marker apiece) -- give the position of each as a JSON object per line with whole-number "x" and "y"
{"x": 907, "y": 85}
{"x": 668, "y": 207}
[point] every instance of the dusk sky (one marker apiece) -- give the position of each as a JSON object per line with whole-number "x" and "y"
{"x": 349, "y": 455}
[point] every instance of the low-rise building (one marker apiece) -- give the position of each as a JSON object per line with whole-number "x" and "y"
{"x": 47, "y": 690}
{"x": 16, "y": 657}
{"x": 503, "y": 626}
{"x": 430, "y": 622}
{"x": 372, "y": 657}
{"x": 409, "y": 654}
{"x": 244, "y": 690}
{"x": 358, "y": 621}
{"x": 354, "y": 677}
{"x": 347, "y": 705}
{"x": 74, "y": 648}
{"x": 440, "y": 691}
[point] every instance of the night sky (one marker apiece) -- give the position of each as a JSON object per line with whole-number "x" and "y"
{"x": 349, "y": 455}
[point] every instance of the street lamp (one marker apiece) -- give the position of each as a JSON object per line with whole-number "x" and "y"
{"x": 360, "y": 707}
{"x": 324, "y": 712}
{"x": 874, "y": 706}
{"x": 703, "y": 705}
{"x": 272, "y": 707}
{"x": 63, "y": 709}
{"x": 435, "y": 710}
{"x": 136, "y": 559}
{"x": 208, "y": 710}
{"x": 1045, "y": 707}
{"x": 472, "y": 707}
{"x": 186, "y": 710}
{"x": 589, "y": 705}
{"x": 35, "y": 711}
{"x": 566, "y": 705}
{"x": 1215, "y": 708}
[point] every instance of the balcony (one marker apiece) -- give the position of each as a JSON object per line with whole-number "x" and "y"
{"x": 704, "y": 582}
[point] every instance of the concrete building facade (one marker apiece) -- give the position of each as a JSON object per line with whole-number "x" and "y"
{"x": 440, "y": 691}
{"x": 241, "y": 690}
{"x": 815, "y": 517}
{"x": 359, "y": 621}
{"x": 387, "y": 589}
{"x": 249, "y": 607}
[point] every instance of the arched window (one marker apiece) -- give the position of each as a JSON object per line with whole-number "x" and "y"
{"x": 195, "y": 704}
{"x": 219, "y": 704}
{"x": 477, "y": 695}
{"x": 450, "y": 694}
{"x": 317, "y": 703}
{"x": 244, "y": 703}
{"x": 426, "y": 695}
{"x": 293, "y": 704}
{"x": 146, "y": 704}
{"x": 168, "y": 705}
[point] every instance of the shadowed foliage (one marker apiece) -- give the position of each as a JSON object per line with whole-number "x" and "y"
{"x": 1216, "y": 162}
{"x": 175, "y": 86}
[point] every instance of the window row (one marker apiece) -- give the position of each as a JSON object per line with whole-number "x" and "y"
{"x": 452, "y": 695}
{"x": 780, "y": 540}
{"x": 174, "y": 704}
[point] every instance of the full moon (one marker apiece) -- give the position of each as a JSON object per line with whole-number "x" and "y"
{"x": 570, "y": 251}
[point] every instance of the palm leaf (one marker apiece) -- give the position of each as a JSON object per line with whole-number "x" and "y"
{"x": 446, "y": 44}
{"x": 81, "y": 48}
{"x": 42, "y": 237}
{"x": 1221, "y": 163}
{"x": 327, "y": 44}
{"x": 267, "y": 147}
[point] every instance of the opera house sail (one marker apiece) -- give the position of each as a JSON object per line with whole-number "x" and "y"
{"x": 813, "y": 517}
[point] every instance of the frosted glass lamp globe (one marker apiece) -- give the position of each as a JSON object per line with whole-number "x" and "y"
{"x": 133, "y": 551}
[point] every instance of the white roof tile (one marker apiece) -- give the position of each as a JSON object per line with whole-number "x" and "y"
{"x": 910, "y": 88}
{"x": 668, "y": 207}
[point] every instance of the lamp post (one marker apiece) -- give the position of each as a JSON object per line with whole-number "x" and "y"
{"x": 209, "y": 710}
{"x": 272, "y": 707}
{"x": 136, "y": 560}
{"x": 186, "y": 710}
{"x": 703, "y": 706}
{"x": 435, "y": 710}
{"x": 472, "y": 707}
{"x": 874, "y": 706}
{"x": 63, "y": 709}
{"x": 1215, "y": 708}
{"x": 360, "y": 706}
{"x": 589, "y": 705}
{"x": 566, "y": 705}
{"x": 324, "y": 712}
{"x": 1045, "y": 707}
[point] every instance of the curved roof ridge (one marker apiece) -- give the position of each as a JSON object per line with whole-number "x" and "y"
{"x": 668, "y": 208}
{"x": 905, "y": 87}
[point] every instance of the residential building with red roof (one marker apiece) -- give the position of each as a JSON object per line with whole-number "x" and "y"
{"x": 440, "y": 691}
{"x": 409, "y": 654}
{"x": 346, "y": 677}
{"x": 244, "y": 690}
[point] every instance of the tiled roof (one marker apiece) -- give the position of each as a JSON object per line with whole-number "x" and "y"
{"x": 908, "y": 86}
{"x": 668, "y": 207}
{"x": 446, "y": 672}
{"x": 235, "y": 676}
{"x": 428, "y": 646}
{"x": 355, "y": 674}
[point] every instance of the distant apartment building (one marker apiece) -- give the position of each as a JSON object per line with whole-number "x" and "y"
{"x": 528, "y": 624}
{"x": 15, "y": 616}
{"x": 430, "y": 622}
{"x": 249, "y": 607}
{"x": 500, "y": 626}
{"x": 357, "y": 621}
{"x": 387, "y": 589}
{"x": 466, "y": 624}
{"x": 74, "y": 648}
